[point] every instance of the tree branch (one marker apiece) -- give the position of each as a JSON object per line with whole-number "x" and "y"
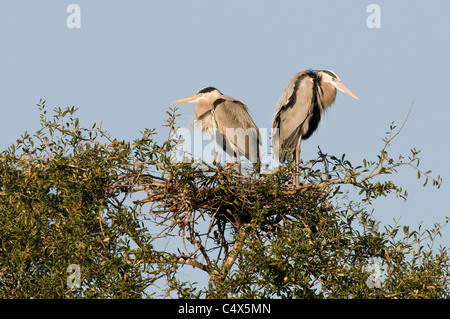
{"x": 229, "y": 260}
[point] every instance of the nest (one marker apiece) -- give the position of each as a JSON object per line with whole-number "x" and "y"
{"x": 223, "y": 195}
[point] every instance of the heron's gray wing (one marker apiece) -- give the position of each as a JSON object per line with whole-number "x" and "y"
{"x": 235, "y": 123}
{"x": 293, "y": 108}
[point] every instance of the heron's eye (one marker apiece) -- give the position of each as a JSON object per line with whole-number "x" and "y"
{"x": 333, "y": 79}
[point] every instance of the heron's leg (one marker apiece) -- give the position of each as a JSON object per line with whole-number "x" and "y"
{"x": 297, "y": 161}
{"x": 238, "y": 158}
{"x": 217, "y": 157}
{"x": 236, "y": 154}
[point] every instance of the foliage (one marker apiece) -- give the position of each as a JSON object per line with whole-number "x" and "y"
{"x": 132, "y": 218}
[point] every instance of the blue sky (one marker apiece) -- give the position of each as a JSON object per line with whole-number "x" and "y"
{"x": 131, "y": 59}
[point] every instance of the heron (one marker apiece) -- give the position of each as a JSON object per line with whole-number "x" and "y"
{"x": 229, "y": 122}
{"x": 300, "y": 109}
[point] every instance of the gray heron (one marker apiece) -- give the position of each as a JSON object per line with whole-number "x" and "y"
{"x": 299, "y": 110}
{"x": 229, "y": 122}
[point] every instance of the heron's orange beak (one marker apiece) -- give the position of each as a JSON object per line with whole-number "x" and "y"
{"x": 340, "y": 86}
{"x": 192, "y": 98}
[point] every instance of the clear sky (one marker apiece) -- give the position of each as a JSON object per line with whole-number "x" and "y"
{"x": 131, "y": 59}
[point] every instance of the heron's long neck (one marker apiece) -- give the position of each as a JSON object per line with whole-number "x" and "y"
{"x": 202, "y": 107}
{"x": 203, "y": 113}
{"x": 328, "y": 94}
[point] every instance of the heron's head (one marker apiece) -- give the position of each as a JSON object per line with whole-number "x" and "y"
{"x": 331, "y": 78}
{"x": 208, "y": 93}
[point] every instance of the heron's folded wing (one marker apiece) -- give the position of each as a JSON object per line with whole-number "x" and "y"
{"x": 235, "y": 123}
{"x": 293, "y": 108}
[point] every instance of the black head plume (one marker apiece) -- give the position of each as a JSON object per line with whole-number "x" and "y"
{"x": 207, "y": 90}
